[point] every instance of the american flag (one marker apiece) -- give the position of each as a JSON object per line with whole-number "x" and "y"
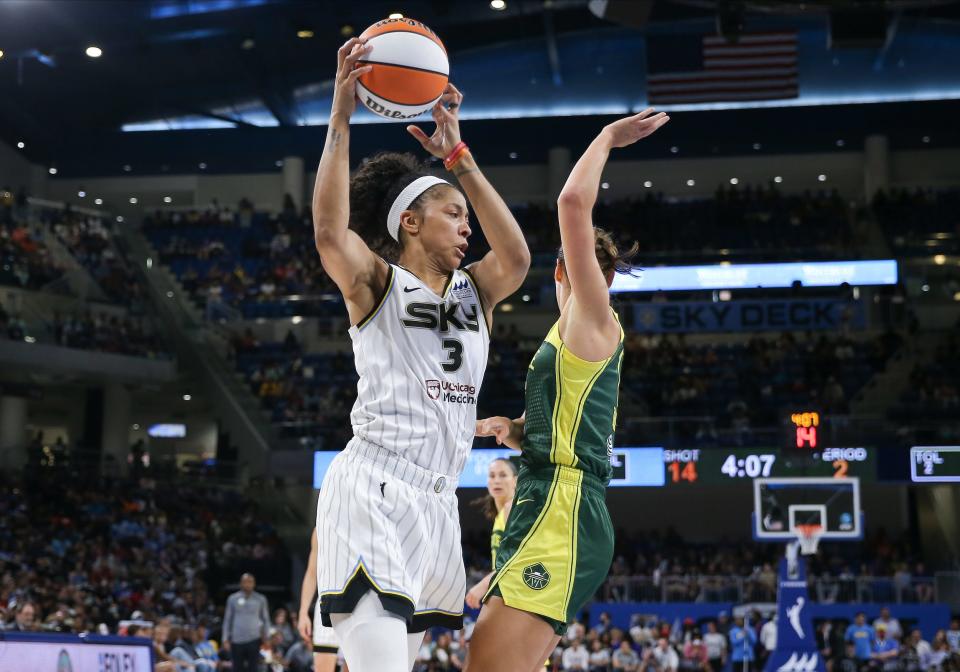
{"x": 760, "y": 66}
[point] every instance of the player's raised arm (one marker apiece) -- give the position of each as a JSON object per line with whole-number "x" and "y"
{"x": 356, "y": 270}
{"x": 502, "y": 270}
{"x": 575, "y": 206}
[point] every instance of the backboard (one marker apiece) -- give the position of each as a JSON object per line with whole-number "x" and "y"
{"x": 784, "y": 506}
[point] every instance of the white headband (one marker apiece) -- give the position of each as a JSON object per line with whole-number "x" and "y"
{"x": 410, "y": 193}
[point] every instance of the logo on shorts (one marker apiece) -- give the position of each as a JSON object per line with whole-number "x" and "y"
{"x": 536, "y": 576}
{"x": 433, "y": 389}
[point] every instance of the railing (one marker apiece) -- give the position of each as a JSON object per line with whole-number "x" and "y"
{"x": 945, "y": 586}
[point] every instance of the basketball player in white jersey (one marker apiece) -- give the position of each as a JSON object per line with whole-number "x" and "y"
{"x": 324, "y": 639}
{"x": 391, "y": 564}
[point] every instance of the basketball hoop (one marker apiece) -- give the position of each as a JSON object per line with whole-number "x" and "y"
{"x": 809, "y": 537}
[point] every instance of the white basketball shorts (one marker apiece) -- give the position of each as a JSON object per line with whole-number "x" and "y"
{"x": 393, "y": 527}
{"x": 324, "y": 638}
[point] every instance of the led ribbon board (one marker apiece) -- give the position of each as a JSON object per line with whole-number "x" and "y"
{"x": 747, "y": 276}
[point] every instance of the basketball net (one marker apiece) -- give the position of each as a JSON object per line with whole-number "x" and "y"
{"x": 809, "y": 538}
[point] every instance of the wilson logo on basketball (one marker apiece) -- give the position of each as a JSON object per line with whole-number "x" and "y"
{"x": 384, "y": 111}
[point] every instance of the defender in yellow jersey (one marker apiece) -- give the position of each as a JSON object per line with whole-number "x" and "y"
{"x": 558, "y": 545}
{"x": 496, "y": 504}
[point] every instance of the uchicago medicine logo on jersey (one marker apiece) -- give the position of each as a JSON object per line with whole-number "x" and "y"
{"x": 452, "y": 393}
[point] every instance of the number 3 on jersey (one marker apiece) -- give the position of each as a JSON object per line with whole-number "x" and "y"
{"x": 454, "y": 350}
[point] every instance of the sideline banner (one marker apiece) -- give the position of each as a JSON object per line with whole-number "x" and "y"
{"x": 41, "y": 652}
{"x": 786, "y": 315}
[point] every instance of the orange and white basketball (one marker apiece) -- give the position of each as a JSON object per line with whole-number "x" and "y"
{"x": 410, "y": 68}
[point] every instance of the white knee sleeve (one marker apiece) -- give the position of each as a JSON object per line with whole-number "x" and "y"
{"x": 372, "y": 638}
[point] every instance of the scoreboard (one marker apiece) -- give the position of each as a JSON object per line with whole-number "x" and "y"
{"x": 935, "y": 464}
{"x": 715, "y": 465}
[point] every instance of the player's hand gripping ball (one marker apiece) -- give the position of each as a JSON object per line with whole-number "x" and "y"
{"x": 409, "y": 68}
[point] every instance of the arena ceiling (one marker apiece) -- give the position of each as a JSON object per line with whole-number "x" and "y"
{"x": 204, "y": 58}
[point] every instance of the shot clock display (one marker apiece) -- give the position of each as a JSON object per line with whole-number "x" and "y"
{"x": 807, "y": 430}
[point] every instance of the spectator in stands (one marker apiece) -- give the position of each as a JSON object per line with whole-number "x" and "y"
{"x": 848, "y": 662}
{"x": 576, "y": 657}
{"x": 458, "y": 653}
{"x": 695, "y": 655}
{"x": 743, "y": 640}
{"x": 768, "y": 641}
{"x": 940, "y": 658}
{"x": 600, "y": 656}
{"x": 913, "y": 652}
{"x": 861, "y": 636}
{"x": 281, "y": 621}
{"x": 822, "y": 636}
{"x": 205, "y": 649}
{"x": 625, "y": 658}
{"x": 888, "y": 623}
{"x": 575, "y": 630}
{"x": 953, "y": 635}
{"x": 245, "y": 625}
{"x": 161, "y": 637}
{"x": 643, "y": 632}
{"x": 661, "y": 658}
{"x": 26, "y": 619}
{"x": 185, "y": 650}
{"x": 885, "y": 651}
{"x": 271, "y": 651}
{"x": 299, "y": 657}
{"x": 716, "y": 645}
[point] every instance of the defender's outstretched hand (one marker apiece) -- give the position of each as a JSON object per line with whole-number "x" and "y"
{"x": 628, "y": 130}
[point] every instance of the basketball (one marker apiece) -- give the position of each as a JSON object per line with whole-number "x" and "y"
{"x": 410, "y": 69}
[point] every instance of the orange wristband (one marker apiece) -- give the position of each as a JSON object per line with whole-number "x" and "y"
{"x": 454, "y": 157}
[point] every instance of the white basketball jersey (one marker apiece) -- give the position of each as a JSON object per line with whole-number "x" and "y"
{"x": 421, "y": 359}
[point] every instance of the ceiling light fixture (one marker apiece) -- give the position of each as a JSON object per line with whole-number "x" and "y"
{"x": 94, "y": 51}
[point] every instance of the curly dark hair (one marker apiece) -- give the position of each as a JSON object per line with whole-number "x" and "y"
{"x": 374, "y": 188}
